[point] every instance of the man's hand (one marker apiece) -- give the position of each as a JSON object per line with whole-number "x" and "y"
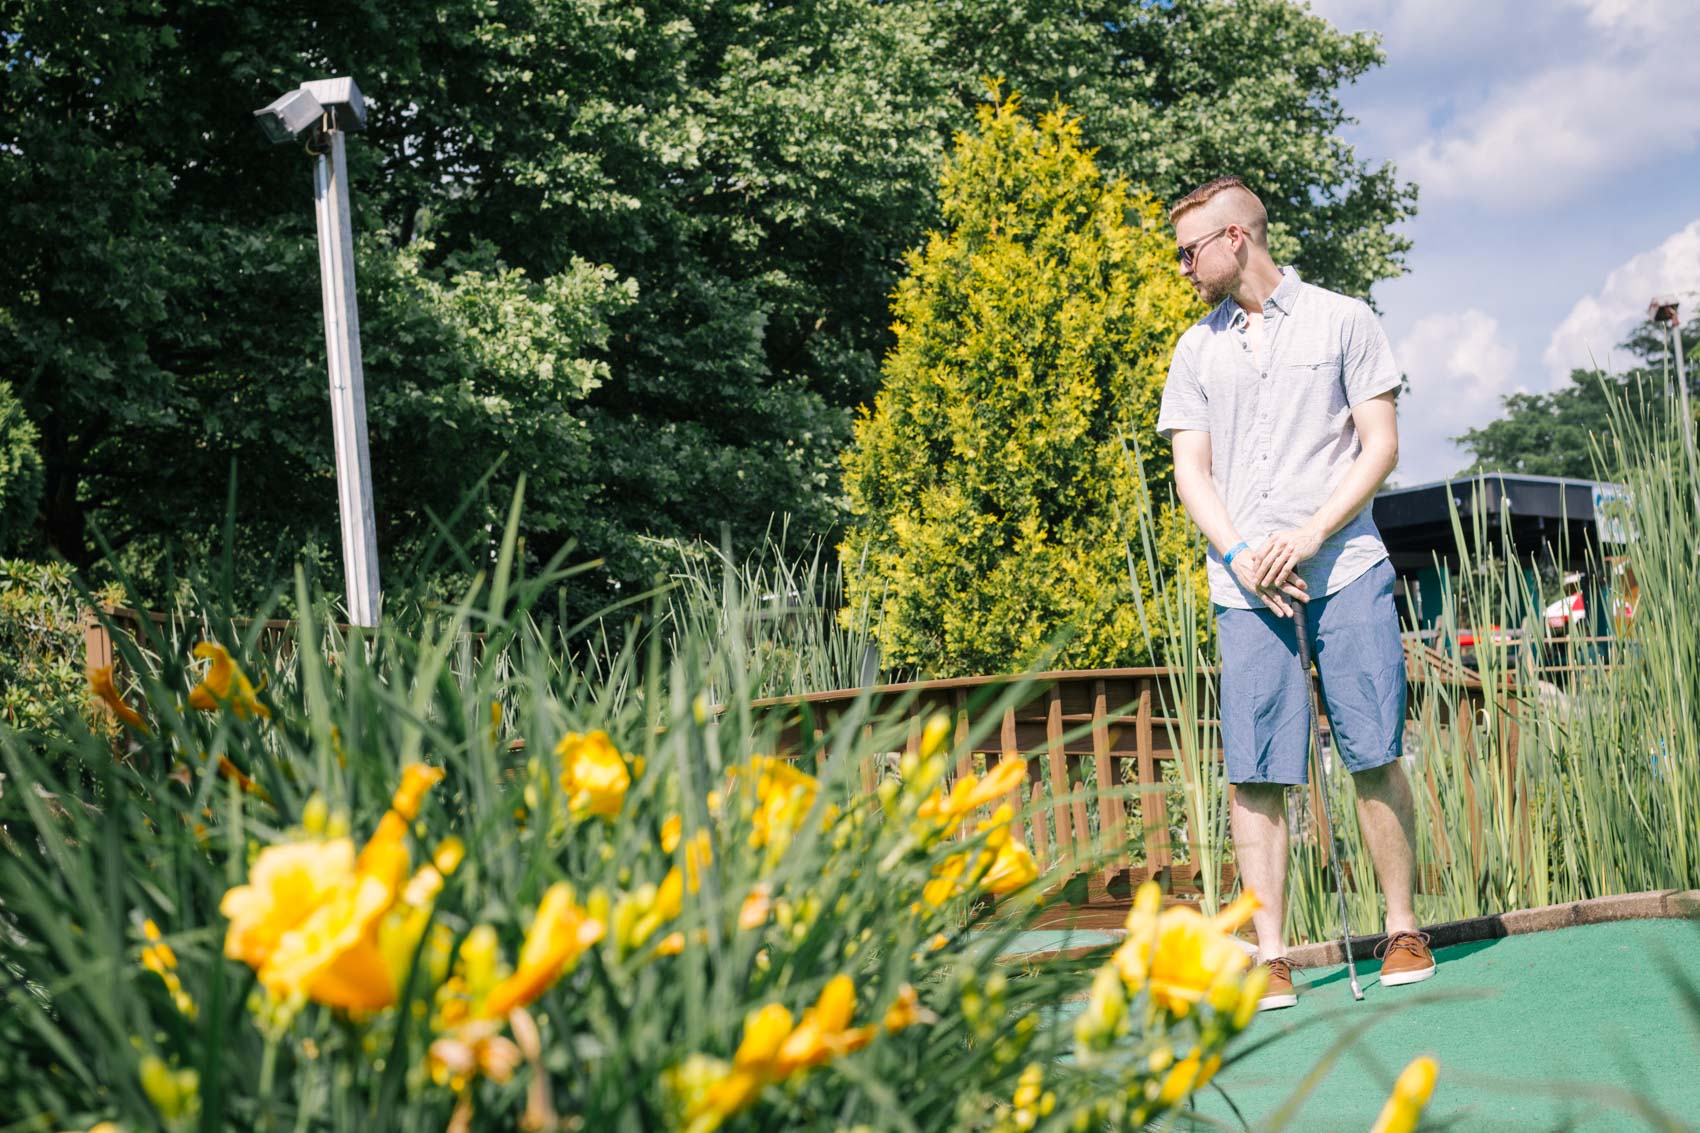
{"x": 1282, "y": 553}
{"x": 1248, "y": 568}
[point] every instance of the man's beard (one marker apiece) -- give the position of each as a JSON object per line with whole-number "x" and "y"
{"x": 1212, "y": 293}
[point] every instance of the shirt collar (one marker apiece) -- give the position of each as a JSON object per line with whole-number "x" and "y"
{"x": 1282, "y": 300}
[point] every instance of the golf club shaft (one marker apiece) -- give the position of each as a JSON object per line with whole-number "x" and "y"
{"x": 1301, "y": 625}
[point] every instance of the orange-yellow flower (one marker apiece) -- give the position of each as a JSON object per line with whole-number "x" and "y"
{"x": 470, "y": 1050}
{"x": 285, "y": 885}
{"x": 102, "y": 686}
{"x": 699, "y": 852}
{"x": 1012, "y": 863}
{"x": 1410, "y": 1094}
{"x": 1179, "y": 954}
{"x": 905, "y": 1010}
{"x": 225, "y": 685}
{"x": 416, "y": 779}
{"x": 313, "y": 920}
{"x": 593, "y": 774}
{"x": 972, "y": 792}
{"x": 158, "y": 958}
{"x": 824, "y": 1032}
{"x": 756, "y": 907}
{"x": 560, "y": 934}
{"x": 1188, "y": 1076}
{"x": 784, "y": 797}
{"x": 1006, "y": 863}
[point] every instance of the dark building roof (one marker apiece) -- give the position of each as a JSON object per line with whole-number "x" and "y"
{"x": 1417, "y": 522}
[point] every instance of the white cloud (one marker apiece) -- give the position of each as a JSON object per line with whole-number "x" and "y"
{"x": 1511, "y": 106}
{"x": 1598, "y": 322}
{"x": 1459, "y": 366}
{"x": 1561, "y": 131}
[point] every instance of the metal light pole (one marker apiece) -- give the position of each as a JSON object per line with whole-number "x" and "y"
{"x": 322, "y": 111}
{"x": 1663, "y": 310}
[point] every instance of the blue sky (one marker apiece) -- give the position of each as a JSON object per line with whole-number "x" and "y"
{"x": 1556, "y": 145}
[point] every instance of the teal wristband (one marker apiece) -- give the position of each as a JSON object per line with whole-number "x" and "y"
{"x": 1228, "y": 559}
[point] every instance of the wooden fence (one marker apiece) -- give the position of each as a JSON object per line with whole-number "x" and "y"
{"x": 1120, "y": 727}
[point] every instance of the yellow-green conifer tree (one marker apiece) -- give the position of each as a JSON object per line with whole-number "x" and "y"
{"x": 992, "y": 500}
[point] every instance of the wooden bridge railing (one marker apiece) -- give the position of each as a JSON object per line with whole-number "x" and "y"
{"x": 1085, "y": 729}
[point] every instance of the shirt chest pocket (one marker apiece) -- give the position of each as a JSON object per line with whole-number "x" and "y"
{"x": 1306, "y": 370}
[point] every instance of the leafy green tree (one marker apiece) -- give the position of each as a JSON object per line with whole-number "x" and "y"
{"x": 1179, "y": 93}
{"x": 694, "y": 212}
{"x": 992, "y": 496}
{"x": 1551, "y": 434}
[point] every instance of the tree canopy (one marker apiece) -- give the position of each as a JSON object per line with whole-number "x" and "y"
{"x": 642, "y": 255}
{"x": 1552, "y": 434}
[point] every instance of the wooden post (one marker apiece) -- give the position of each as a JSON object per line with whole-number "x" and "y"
{"x": 1070, "y": 811}
{"x": 1112, "y": 819}
{"x": 1153, "y": 803}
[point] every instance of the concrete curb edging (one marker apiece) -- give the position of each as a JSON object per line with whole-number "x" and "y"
{"x": 1678, "y": 903}
{"x": 1651, "y": 905}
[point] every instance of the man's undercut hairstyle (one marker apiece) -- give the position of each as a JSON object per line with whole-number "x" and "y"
{"x": 1232, "y": 203}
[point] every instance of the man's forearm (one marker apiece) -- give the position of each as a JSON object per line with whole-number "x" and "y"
{"x": 1204, "y": 504}
{"x": 1362, "y": 480}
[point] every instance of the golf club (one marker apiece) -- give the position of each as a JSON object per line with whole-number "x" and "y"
{"x": 1327, "y": 806}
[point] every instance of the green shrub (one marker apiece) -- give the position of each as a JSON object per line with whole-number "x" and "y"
{"x": 41, "y": 644}
{"x": 21, "y": 475}
{"x": 992, "y": 494}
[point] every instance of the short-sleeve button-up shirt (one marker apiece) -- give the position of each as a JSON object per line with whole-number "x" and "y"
{"x": 1281, "y": 431}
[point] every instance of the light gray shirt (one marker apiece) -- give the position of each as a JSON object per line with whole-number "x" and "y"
{"x": 1280, "y": 425}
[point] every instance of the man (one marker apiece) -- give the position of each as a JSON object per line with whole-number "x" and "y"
{"x": 1280, "y": 406}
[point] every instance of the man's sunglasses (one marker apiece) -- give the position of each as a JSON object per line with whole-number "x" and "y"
{"x": 1185, "y": 252}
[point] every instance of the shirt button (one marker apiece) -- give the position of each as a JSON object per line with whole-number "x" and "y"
{"x": 1266, "y": 375}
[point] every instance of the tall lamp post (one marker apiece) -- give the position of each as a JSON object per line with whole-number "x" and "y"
{"x": 320, "y": 113}
{"x": 1664, "y": 310}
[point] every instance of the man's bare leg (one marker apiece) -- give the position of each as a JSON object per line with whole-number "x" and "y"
{"x": 1259, "y": 822}
{"x": 1388, "y": 818}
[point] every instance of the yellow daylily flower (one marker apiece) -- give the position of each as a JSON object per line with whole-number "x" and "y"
{"x": 707, "y": 1090}
{"x": 972, "y": 792}
{"x": 286, "y": 883}
{"x": 1410, "y": 1094}
{"x": 1179, "y": 954}
{"x": 905, "y": 1010}
{"x": 594, "y": 774}
{"x": 560, "y": 934}
{"x": 1003, "y": 866}
{"x": 477, "y": 1048}
{"x": 158, "y": 958}
{"x": 784, "y": 797}
{"x": 334, "y": 957}
{"x": 174, "y": 1093}
{"x": 757, "y": 906}
{"x": 824, "y": 1032}
{"x": 699, "y": 853}
{"x": 1013, "y": 866}
{"x": 313, "y": 920}
{"x": 1188, "y": 1076}
{"x": 225, "y": 685}
{"x": 102, "y": 687}
{"x": 416, "y": 779}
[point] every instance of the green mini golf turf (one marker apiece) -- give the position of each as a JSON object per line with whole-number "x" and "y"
{"x": 1513, "y": 1024}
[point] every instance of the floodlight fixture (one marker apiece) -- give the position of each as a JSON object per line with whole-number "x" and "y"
{"x": 290, "y": 115}
{"x": 342, "y": 98}
{"x": 1663, "y": 309}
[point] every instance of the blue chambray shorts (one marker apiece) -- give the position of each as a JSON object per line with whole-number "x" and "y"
{"x": 1354, "y": 638}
